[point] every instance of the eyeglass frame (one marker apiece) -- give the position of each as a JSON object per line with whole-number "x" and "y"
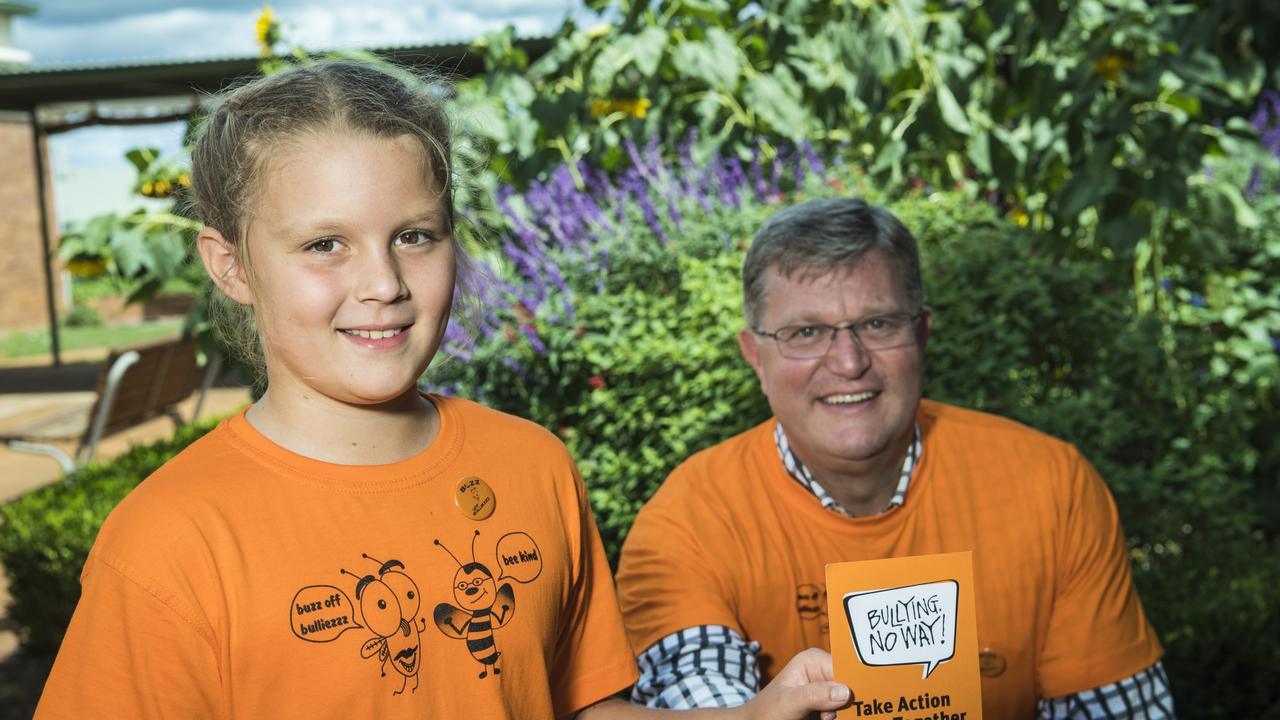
{"x": 836, "y": 329}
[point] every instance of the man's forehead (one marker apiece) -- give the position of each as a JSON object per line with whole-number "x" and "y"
{"x": 813, "y": 273}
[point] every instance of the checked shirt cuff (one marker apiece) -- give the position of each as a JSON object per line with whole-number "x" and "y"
{"x": 704, "y": 666}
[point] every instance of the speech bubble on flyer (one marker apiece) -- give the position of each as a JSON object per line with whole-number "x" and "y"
{"x": 910, "y": 625}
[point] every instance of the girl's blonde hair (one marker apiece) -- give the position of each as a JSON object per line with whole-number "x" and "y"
{"x": 253, "y": 122}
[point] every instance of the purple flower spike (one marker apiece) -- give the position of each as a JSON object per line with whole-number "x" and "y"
{"x": 534, "y": 340}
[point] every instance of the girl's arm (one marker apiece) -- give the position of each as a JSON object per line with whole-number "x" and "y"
{"x": 803, "y": 687}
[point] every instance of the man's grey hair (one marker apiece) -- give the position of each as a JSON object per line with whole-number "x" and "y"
{"x": 822, "y": 236}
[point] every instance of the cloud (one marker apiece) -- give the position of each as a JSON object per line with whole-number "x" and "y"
{"x": 179, "y": 33}
{"x": 84, "y": 31}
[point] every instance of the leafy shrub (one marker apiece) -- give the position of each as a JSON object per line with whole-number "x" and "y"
{"x": 82, "y": 316}
{"x": 45, "y": 535}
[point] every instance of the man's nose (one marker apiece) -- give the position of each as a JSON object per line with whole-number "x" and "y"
{"x": 846, "y": 356}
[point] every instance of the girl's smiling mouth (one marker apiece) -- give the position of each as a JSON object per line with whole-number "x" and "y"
{"x": 378, "y": 338}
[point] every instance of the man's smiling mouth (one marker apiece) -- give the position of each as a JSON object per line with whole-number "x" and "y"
{"x": 848, "y": 398}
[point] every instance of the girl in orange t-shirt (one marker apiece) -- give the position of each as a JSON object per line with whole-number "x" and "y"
{"x": 432, "y": 557}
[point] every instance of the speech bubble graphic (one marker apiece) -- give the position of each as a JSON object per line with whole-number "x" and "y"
{"x": 519, "y": 557}
{"x": 320, "y": 613}
{"x": 910, "y": 625}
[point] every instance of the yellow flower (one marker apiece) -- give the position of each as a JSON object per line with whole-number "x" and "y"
{"x": 1019, "y": 216}
{"x": 1109, "y": 67}
{"x": 184, "y": 180}
{"x": 635, "y": 108}
{"x": 267, "y": 29}
{"x": 86, "y": 268}
{"x": 147, "y": 189}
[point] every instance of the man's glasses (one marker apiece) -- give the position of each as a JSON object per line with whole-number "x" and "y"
{"x": 882, "y": 332}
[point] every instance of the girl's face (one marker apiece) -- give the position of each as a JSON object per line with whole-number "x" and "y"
{"x": 351, "y": 267}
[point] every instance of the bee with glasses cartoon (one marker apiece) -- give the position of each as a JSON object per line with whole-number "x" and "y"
{"x": 485, "y": 608}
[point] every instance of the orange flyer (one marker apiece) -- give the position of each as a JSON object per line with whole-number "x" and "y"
{"x": 904, "y": 639}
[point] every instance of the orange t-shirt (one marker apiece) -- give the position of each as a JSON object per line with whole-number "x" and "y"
{"x": 731, "y": 539}
{"x": 242, "y": 580}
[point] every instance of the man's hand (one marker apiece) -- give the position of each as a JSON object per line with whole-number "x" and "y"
{"x": 803, "y": 687}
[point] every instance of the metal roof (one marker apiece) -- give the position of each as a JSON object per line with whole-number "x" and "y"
{"x": 17, "y": 8}
{"x": 25, "y": 88}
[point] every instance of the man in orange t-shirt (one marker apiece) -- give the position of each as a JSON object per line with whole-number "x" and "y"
{"x": 722, "y": 575}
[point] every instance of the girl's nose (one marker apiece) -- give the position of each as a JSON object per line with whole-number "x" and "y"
{"x": 379, "y": 278}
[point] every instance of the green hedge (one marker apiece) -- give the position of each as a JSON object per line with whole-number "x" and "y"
{"x": 45, "y": 535}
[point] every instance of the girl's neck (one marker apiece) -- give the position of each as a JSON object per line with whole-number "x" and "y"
{"x": 325, "y": 429}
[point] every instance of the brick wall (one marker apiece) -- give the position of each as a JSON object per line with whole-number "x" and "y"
{"x": 23, "y": 301}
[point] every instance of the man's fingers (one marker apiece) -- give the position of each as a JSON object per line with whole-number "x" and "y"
{"x": 812, "y": 665}
{"x": 816, "y": 697}
{"x": 818, "y": 663}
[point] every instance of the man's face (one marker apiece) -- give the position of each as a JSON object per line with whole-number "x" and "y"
{"x": 850, "y": 405}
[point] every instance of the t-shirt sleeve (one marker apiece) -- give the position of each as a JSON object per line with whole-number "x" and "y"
{"x": 129, "y": 654}
{"x": 593, "y": 658}
{"x": 665, "y": 582}
{"x": 1098, "y": 632}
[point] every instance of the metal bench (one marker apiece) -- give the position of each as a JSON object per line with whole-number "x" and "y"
{"x": 136, "y": 384}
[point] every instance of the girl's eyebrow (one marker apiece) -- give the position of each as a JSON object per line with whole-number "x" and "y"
{"x": 330, "y": 226}
{"x": 425, "y": 217}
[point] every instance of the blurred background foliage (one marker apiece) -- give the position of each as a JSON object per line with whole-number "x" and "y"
{"x": 1094, "y": 185}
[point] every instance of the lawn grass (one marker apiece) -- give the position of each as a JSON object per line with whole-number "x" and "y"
{"x": 37, "y": 342}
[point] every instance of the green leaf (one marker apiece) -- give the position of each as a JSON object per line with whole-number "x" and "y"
{"x": 129, "y": 246}
{"x": 951, "y": 110}
{"x": 714, "y": 10}
{"x": 776, "y": 98}
{"x": 512, "y": 88}
{"x": 1122, "y": 234}
{"x": 605, "y": 67}
{"x": 142, "y": 157}
{"x": 647, "y": 49}
{"x": 980, "y": 152}
{"x": 1189, "y": 104}
{"x": 1245, "y": 216}
{"x": 715, "y": 60}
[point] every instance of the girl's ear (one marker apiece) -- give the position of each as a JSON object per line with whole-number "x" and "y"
{"x": 223, "y": 265}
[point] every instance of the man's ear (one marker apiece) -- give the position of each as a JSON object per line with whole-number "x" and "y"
{"x": 926, "y": 327}
{"x": 750, "y": 348}
{"x": 223, "y": 265}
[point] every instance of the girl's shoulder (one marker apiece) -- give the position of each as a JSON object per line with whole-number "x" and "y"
{"x": 483, "y": 427}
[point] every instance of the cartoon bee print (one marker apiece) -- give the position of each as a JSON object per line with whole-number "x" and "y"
{"x": 484, "y": 608}
{"x": 388, "y": 605}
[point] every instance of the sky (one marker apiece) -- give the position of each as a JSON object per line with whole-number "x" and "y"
{"x": 90, "y": 173}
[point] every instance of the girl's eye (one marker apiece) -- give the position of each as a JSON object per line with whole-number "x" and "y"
{"x": 324, "y": 245}
{"x": 414, "y": 237}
